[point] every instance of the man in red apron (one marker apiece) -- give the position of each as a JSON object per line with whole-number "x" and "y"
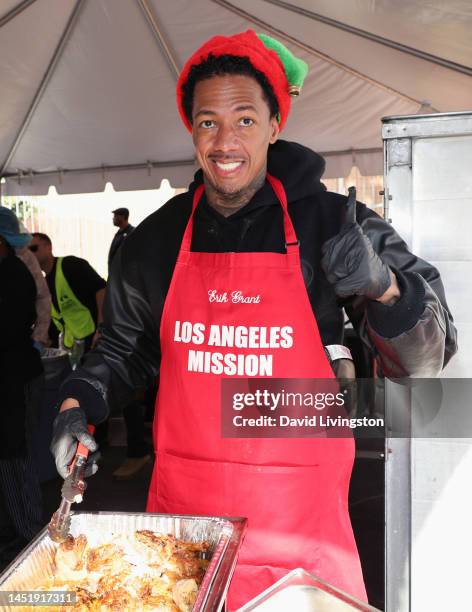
{"x": 233, "y": 95}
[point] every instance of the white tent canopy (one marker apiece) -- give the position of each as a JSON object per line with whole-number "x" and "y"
{"x": 88, "y": 86}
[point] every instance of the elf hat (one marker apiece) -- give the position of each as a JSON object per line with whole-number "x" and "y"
{"x": 283, "y": 70}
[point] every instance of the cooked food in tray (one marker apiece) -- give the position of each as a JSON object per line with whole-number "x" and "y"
{"x": 143, "y": 571}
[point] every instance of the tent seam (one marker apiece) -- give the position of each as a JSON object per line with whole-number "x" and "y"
{"x": 381, "y": 40}
{"x": 310, "y": 49}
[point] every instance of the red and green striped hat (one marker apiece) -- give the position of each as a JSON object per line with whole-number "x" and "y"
{"x": 283, "y": 70}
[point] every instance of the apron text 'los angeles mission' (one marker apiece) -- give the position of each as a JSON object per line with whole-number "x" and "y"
{"x": 232, "y": 336}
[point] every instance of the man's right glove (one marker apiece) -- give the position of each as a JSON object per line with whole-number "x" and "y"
{"x": 70, "y": 427}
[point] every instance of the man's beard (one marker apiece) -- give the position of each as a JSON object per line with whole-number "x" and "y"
{"x": 228, "y": 192}
{"x": 234, "y": 194}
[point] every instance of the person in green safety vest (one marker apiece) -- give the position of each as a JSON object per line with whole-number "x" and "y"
{"x": 77, "y": 293}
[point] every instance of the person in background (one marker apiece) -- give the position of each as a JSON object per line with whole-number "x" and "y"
{"x": 120, "y": 220}
{"x": 21, "y": 379}
{"x": 77, "y": 293}
{"x": 133, "y": 413}
{"x": 10, "y": 228}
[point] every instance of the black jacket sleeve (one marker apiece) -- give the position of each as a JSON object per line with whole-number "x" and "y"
{"x": 415, "y": 337}
{"x": 127, "y": 356}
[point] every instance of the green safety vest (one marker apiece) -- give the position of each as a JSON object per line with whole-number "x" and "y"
{"x": 73, "y": 318}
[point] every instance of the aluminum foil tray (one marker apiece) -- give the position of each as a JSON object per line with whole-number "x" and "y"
{"x": 304, "y": 592}
{"x": 35, "y": 563}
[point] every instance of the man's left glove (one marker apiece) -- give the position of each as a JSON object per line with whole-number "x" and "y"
{"x": 350, "y": 262}
{"x": 70, "y": 427}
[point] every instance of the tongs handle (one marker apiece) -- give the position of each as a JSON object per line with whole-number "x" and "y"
{"x": 75, "y": 479}
{"x": 83, "y": 451}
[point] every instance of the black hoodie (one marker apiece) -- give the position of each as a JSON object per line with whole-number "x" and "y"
{"x": 415, "y": 337}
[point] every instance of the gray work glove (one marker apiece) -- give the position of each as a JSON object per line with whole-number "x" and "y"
{"x": 70, "y": 427}
{"x": 350, "y": 262}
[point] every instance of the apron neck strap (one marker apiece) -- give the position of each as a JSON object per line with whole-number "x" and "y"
{"x": 291, "y": 241}
{"x": 187, "y": 239}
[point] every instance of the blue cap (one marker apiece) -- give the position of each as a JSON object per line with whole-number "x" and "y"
{"x": 10, "y": 229}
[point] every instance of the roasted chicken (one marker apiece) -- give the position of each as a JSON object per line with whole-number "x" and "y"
{"x": 142, "y": 572}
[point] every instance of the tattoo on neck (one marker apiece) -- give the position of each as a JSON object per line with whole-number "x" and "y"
{"x": 229, "y": 203}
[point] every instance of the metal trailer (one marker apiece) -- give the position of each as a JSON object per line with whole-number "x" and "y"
{"x": 428, "y": 481}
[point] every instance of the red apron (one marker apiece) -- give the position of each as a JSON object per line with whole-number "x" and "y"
{"x": 294, "y": 491}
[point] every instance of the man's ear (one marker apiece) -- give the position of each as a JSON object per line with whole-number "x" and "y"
{"x": 275, "y": 129}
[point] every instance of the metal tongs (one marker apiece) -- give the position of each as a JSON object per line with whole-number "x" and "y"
{"x": 72, "y": 492}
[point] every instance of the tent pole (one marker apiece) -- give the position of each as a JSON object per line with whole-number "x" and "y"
{"x": 429, "y": 57}
{"x": 159, "y": 37}
{"x": 350, "y": 152}
{"x": 15, "y": 11}
{"x": 312, "y": 50}
{"x": 44, "y": 82}
{"x": 167, "y": 164}
{"x": 118, "y": 168}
